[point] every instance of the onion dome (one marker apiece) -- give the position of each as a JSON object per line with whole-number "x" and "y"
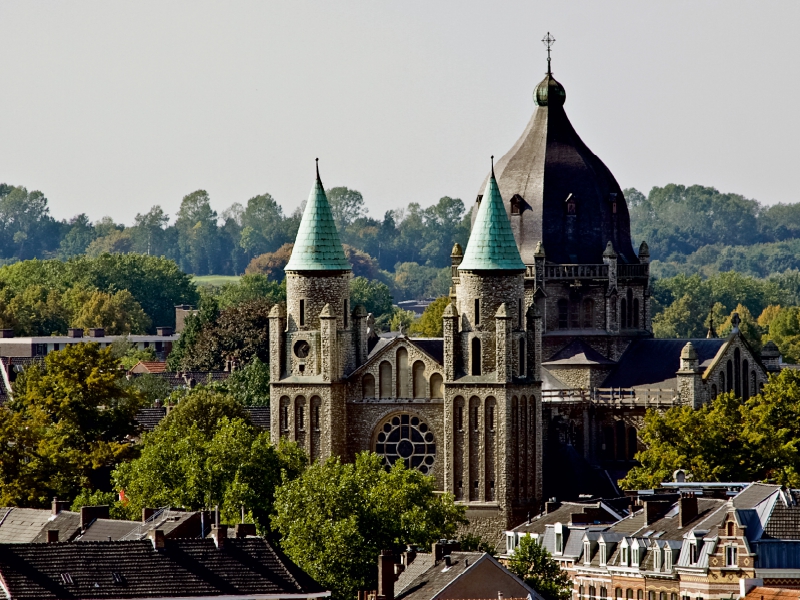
{"x": 317, "y": 246}
{"x": 549, "y": 92}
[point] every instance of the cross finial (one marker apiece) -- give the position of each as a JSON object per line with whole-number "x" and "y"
{"x": 317, "y": 161}
{"x": 548, "y": 42}
{"x": 492, "y": 165}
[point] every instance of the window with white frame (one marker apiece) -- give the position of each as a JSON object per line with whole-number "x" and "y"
{"x": 668, "y": 559}
{"x": 730, "y": 556}
{"x": 603, "y": 554}
{"x": 587, "y": 552}
{"x": 559, "y": 531}
{"x": 657, "y": 558}
{"x": 624, "y": 556}
{"x": 635, "y": 556}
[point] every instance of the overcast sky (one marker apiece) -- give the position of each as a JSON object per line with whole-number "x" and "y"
{"x": 111, "y": 107}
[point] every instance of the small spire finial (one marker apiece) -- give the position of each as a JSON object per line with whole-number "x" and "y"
{"x": 548, "y": 41}
{"x": 317, "y": 161}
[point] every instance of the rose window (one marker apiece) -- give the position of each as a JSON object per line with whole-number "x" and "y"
{"x": 408, "y": 437}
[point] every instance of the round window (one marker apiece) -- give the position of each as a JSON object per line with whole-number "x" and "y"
{"x": 301, "y": 349}
{"x": 405, "y": 436}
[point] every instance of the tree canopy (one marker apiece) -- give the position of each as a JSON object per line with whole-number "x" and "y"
{"x": 532, "y": 563}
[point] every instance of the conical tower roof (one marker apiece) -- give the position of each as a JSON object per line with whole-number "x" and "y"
{"x": 548, "y": 164}
{"x": 317, "y": 246}
{"x": 491, "y": 244}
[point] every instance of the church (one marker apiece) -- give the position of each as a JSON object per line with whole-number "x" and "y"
{"x": 547, "y": 362}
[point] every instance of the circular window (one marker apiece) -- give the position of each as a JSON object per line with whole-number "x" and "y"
{"x": 301, "y": 349}
{"x": 408, "y": 437}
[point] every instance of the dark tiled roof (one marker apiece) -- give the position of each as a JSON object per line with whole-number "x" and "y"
{"x": 101, "y": 530}
{"x": 133, "y": 569}
{"x": 654, "y": 362}
{"x": 67, "y": 523}
{"x": 259, "y": 416}
{"x": 784, "y": 522}
{"x": 578, "y": 352}
{"x": 148, "y": 418}
{"x": 432, "y": 346}
{"x": 667, "y": 527}
{"x": 563, "y": 515}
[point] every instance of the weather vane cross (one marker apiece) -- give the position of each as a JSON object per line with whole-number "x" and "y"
{"x": 548, "y": 42}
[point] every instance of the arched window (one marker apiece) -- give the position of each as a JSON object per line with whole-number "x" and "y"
{"x": 608, "y": 443}
{"x": 284, "y": 414}
{"x": 300, "y": 414}
{"x": 345, "y": 313}
{"x": 563, "y": 314}
{"x": 316, "y": 402}
{"x": 753, "y": 384}
{"x": 386, "y": 379}
{"x": 420, "y": 384}
{"x": 402, "y": 373}
{"x": 522, "y": 357}
{"x": 745, "y": 380}
{"x": 588, "y": 313}
{"x": 368, "y": 386}
{"x": 437, "y": 386}
{"x": 630, "y": 308}
{"x": 636, "y": 313}
{"x": 477, "y": 312}
{"x": 623, "y": 314}
{"x": 620, "y": 431}
{"x": 476, "y": 356}
{"x": 721, "y": 382}
{"x": 575, "y": 314}
{"x": 632, "y": 443}
{"x": 730, "y": 376}
{"x": 730, "y": 528}
{"x": 714, "y": 392}
{"x": 737, "y": 372}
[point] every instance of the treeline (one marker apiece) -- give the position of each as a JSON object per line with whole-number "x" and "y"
{"x": 203, "y": 242}
{"x": 699, "y": 229}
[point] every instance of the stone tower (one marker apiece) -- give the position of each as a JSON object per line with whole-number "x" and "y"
{"x": 571, "y": 225}
{"x": 492, "y": 343}
{"x": 315, "y": 342}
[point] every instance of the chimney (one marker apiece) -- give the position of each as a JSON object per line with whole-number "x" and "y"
{"x": 59, "y": 505}
{"x": 92, "y": 513}
{"x": 448, "y": 561}
{"x": 75, "y": 332}
{"x": 500, "y": 595}
{"x": 245, "y": 529}
{"x": 437, "y": 549}
{"x": 157, "y": 537}
{"x": 654, "y": 510}
{"x": 687, "y": 509}
{"x": 164, "y": 331}
{"x": 147, "y": 513}
{"x": 409, "y": 555}
{"x": 6, "y": 333}
{"x": 551, "y": 505}
{"x": 386, "y": 575}
{"x": 52, "y": 536}
{"x": 220, "y": 534}
{"x": 97, "y": 332}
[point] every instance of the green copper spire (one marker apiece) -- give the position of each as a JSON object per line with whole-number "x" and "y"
{"x": 491, "y": 243}
{"x": 317, "y": 246}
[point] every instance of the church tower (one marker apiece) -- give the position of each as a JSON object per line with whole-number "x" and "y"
{"x": 492, "y": 342}
{"x": 314, "y": 342}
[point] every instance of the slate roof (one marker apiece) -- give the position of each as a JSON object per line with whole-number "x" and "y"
{"x": 101, "y": 530}
{"x": 259, "y": 416}
{"x": 784, "y": 520}
{"x": 21, "y": 525}
{"x": 317, "y": 246}
{"x": 491, "y": 244}
{"x": 134, "y": 569}
{"x": 578, "y": 352}
{"x": 148, "y": 418}
{"x": 432, "y": 346}
{"x": 654, "y": 362}
{"x": 563, "y": 513}
{"x": 67, "y": 523}
{"x": 667, "y": 527}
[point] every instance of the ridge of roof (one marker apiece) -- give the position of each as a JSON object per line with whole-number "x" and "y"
{"x": 491, "y": 244}
{"x": 317, "y": 246}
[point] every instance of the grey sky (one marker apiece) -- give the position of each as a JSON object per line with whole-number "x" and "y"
{"x": 111, "y": 107}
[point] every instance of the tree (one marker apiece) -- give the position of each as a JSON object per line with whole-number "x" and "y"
{"x": 28, "y": 230}
{"x": 148, "y": 231}
{"x": 430, "y": 323}
{"x": 250, "y": 385}
{"x": 262, "y": 225}
{"x": 532, "y": 563}
{"x": 373, "y": 295}
{"x": 118, "y": 313}
{"x": 197, "y": 234}
{"x": 346, "y": 206}
{"x": 80, "y": 235}
{"x": 726, "y": 439}
{"x": 271, "y": 264}
{"x": 116, "y": 242}
{"x": 68, "y": 424}
{"x": 784, "y": 330}
{"x": 336, "y": 518}
{"x": 401, "y": 320}
{"x": 251, "y": 287}
{"x": 206, "y": 453}
{"x": 748, "y": 326}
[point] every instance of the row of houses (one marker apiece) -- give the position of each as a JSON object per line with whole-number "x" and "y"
{"x": 687, "y": 541}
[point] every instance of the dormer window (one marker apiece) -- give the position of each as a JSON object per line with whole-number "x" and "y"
{"x": 571, "y": 207}
{"x": 517, "y": 204}
{"x": 657, "y": 558}
{"x": 635, "y": 556}
{"x": 730, "y": 556}
{"x": 603, "y": 554}
{"x": 693, "y": 553}
{"x": 559, "y": 531}
{"x": 587, "y": 552}
{"x": 624, "y": 556}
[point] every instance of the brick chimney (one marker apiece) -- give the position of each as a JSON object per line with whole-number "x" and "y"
{"x": 386, "y": 575}
{"x": 6, "y": 333}
{"x": 92, "y": 513}
{"x": 220, "y": 534}
{"x": 75, "y": 332}
{"x": 551, "y": 506}
{"x": 654, "y": 510}
{"x": 157, "y": 537}
{"x": 245, "y": 529}
{"x": 687, "y": 509}
{"x": 59, "y": 505}
{"x": 52, "y": 536}
{"x": 97, "y": 332}
{"x": 164, "y": 331}
{"x": 147, "y": 513}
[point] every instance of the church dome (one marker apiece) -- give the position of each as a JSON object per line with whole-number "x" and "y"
{"x": 558, "y": 192}
{"x": 549, "y": 92}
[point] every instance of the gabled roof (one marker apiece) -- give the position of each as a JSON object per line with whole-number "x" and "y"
{"x": 21, "y": 525}
{"x": 248, "y": 567}
{"x": 578, "y": 352}
{"x": 599, "y": 511}
{"x": 654, "y": 362}
{"x": 491, "y": 244}
{"x": 317, "y": 246}
{"x": 433, "y": 348}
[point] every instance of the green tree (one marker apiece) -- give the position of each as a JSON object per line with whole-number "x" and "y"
{"x": 69, "y": 421}
{"x": 336, "y": 517}
{"x": 430, "y": 323}
{"x": 250, "y": 385}
{"x": 748, "y": 326}
{"x": 532, "y": 563}
{"x": 198, "y": 238}
{"x": 250, "y": 288}
{"x": 262, "y": 226}
{"x": 347, "y": 206}
{"x": 373, "y": 295}
{"x": 81, "y": 233}
{"x": 119, "y": 313}
{"x": 784, "y": 330}
{"x": 116, "y": 242}
{"x": 148, "y": 231}
{"x": 206, "y": 453}
{"x": 401, "y": 319}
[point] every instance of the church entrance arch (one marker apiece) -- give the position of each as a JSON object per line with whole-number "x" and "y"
{"x": 406, "y": 436}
